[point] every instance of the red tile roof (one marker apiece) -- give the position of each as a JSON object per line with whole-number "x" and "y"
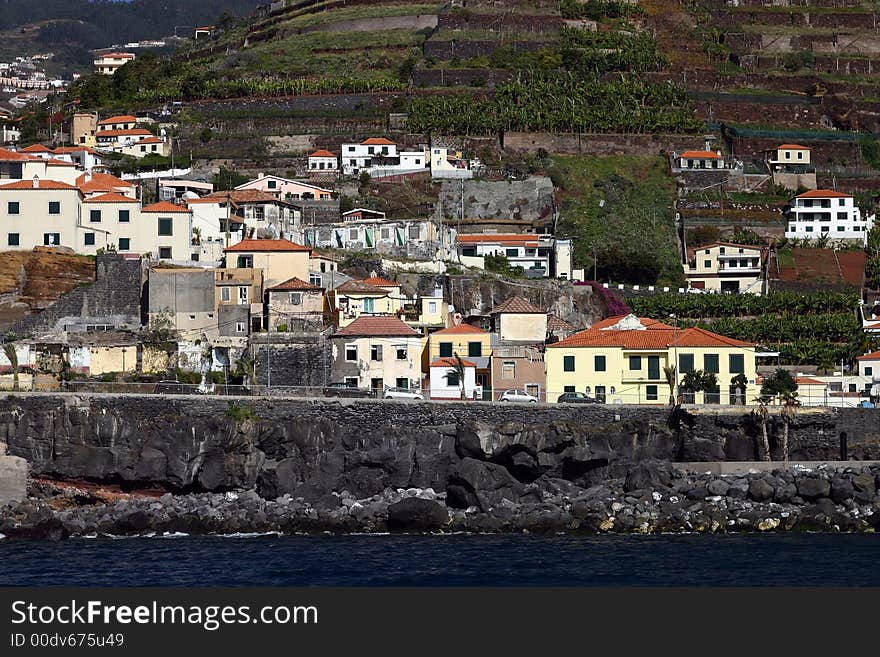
{"x": 294, "y": 284}
{"x": 516, "y": 305}
{"x": 528, "y": 239}
{"x": 378, "y": 281}
{"x": 122, "y": 118}
{"x": 267, "y": 246}
{"x": 451, "y": 362}
{"x": 12, "y": 156}
{"x": 100, "y": 182}
{"x": 59, "y": 163}
{"x": 807, "y": 381}
{"x": 152, "y": 140}
{"x": 701, "y": 154}
{"x": 43, "y": 184}
{"x": 793, "y": 147}
{"x": 655, "y": 336}
{"x": 377, "y": 326}
{"x": 110, "y": 197}
{"x": 124, "y": 55}
{"x": 61, "y": 150}
{"x": 131, "y": 132}
{"x": 164, "y": 206}
{"x": 459, "y": 329}
{"x": 823, "y": 193}
{"x": 360, "y": 287}
{"x": 377, "y": 141}
{"x": 36, "y": 148}
{"x": 874, "y": 355}
{"x": 322, "y": 153}
{"x": 557, "y": 324}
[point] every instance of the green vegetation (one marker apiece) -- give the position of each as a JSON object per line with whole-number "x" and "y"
{"x": 499, "y": 264}
{"x": 699, "y": 306}
{"x": 241, "y": 413}
{"x": 598, "y": 9}
{"x": 590, "y": 52}
{"x": 619, "y": 208}
{"x": 833, "y": 327}
{"x": 781, "y": 382}
{"x": 226, "y": 179}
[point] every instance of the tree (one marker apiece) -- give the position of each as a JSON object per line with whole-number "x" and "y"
{"x": 763, "y": 416}
{"x": 12, "y": 356}
{"x": 780, "y": 383}
{"x": 789, "y": 403}
{"x": 669, "y": 373}
{"x": 700, "y": 381}
{"x": 457, "y": 371}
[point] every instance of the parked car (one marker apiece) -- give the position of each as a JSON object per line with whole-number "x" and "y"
{"x": 346, "y": 389}
{"x": 518, "y": 396}
{"x": 402, "y": 393}
{"x": 576, "y": 398}
{"x": 173, "y": 388}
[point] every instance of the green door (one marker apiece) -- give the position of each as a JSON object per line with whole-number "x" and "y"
{"x": 653, "y": 367}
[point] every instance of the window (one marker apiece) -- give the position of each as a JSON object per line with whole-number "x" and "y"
{"x": 314, "y": 278}
{"x": 12, "y": 207}
{"x": 599, "y": 363}
{"x": 800, "y": 155}
{"x": 432, "y": 307}
{"x": 165, "y": 226}
{"x": 569, "y": 389}
{"x": 225, "y": 293}
{"x": 737, "y": 364}
{"x": 475, "y": 349}
{"x": 508, "y": 369}
{"x": 721, "y": 250}
{"x": 353, "y": 234}
{"x": 840, "y": 229}
{"x": 809, "y": 229}
{"x": 165, "y": 253}
{"x": 351, "y": 353}
{"x": 143, "y": 149}
{"x": 90, "y": 239}
{"x": 95, "y": 216}
{"x": 54, "y": 207}
{"x": 402, "y": 383}
{"x": 511, "y": 253}
{"x": 12, "y": 239}
{"x": 710, "y": 363}
{"x": 651, "y": 393}
{"x": 841, "y": 202}
{"x": 51, "y": 239}
{"x": 825, "y": 229}
{"x": 376, "y": 352}
{"x": 272, "y": 184}
{"x": 707, "y": 263}
{"x": 445, "y": 349}
{"x": 869, "y": 371}
{"x": 245, "y": 262}
{"x": 451, "y": 378}
{"x": 635, "y": 362}
{"x": 414, "y": 232}
{"x": 296, "y": 298}
{"x": 243, "y": 295}
{"x": 401, "y": 352}
{"x": 124, "y": 244}
{"x": 600, "y": 393}
{"x": 124, "y": 216}
{"x": 568, "y": 363}
{"x": 686, "y": 363}
{"x": 240, "y": 327}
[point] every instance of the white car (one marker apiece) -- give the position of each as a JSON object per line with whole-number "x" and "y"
{"x": 402, "y": 393}
{"x": 518, "y": 396}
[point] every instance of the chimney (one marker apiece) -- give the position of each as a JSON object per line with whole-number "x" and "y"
{"x": 88, "y": 176}
{"x": 36, "y": 181}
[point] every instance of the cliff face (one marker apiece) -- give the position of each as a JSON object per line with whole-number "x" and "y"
{"x": 475, "y": 452}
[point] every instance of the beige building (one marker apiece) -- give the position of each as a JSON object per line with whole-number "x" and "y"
{"x": 110, "y": 62}
{"x": 296, "y": 306}
{"x": 355, "y": 298}
{"x": 39, "y": 213}
{"x": 147, "y": 146}
{"x": 517, "y": 320}
{"x": 167, "y": 229}
{"x": 118, "y": 122}
{"x": 279, "y": 259}
{"x": 83, "y": 129}
{"x": 113, "y": 220}
{"x": 726, "y": 267}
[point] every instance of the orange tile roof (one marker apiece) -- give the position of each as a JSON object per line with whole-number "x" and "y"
{"x": 100, "y": 182}
{"x": 152, "y": 140}
{"x": 807, "y": 381}
{"x": 110, "y": 197}
{"x": 555, "y": 323}
{"x": 294, "y": 284}
{"x": 122, "y": 118}
{"x": 12, "y": 156}
{"x": 794, "y": 147}
{"x": 131, "y": 132}
{"x": 378, "y": 281}
{"x": 267, "y": 245}
{"x": 823, "y": 193}
{"x": 59, "y": 163}
{"x": 451, "y": 362}
{"x": 527, "y": 239}
{"x": 874, "y": 355}
{"x": 61, "y": 150}
{"x": 377, "y": 326}
{"x": 377, "y": 141}
{"x": 360, "y": 287}
{"x": 459, "y": 329}
{"x": 125, "y": 55}
{"x": 516, "y": 305}
{"x": 655, "y": 336}
{"x": 36, "y": 148}
{"x": 706, "y": 154}
{"x": 43, "y": 184}
{"x": 164, "y": 206}
{"x": 322, "y": 153}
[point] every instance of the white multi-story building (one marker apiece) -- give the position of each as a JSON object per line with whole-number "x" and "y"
{"x": 108, "y": 63}
{"x": 824, "y": 212}
{"x": 538, "y": 255}
{"x": 381, "y": 157}
{"x": 726, "y": 267}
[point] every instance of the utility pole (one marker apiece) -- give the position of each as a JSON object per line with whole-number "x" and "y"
{"x": 675, "y": 353}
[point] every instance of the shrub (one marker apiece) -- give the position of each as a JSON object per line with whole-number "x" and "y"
{"x": 241, "y": 413}
{"x": 281, "y": 328}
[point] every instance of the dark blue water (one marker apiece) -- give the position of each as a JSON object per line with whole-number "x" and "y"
{"x": 464, "y": 560}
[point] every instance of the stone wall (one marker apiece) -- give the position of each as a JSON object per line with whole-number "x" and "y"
{"x": 300, "y": 361}
{"x": 605, "y": 144}
{"x": 528, "y": 200}
{"x": 309, "y": 447}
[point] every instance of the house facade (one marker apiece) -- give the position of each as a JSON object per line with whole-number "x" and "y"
{"x": 826, "y": 213}
{"x": 445, "y": 383}
{"x": 279, "y": 259}
{"x": 286, "y": 189}
{"x": 538, "y": 255}
{"x": 622, "y": 360}
{"x": 110, "y": 62}
{"x": 519, "y": 367}
{"x": 322, "y": 160}
{"x": 355, "y": 298}
{"x": 516, "y": 320}
{"x": 700, "y": 160}
{"x": 726, "y": 267}
{"x": 295, "y": 305}
{"x": 377, "y": 353}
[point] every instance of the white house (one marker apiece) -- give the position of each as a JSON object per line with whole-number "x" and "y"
{"x": 322, "y": 160}
{"x": 726, "y": 267}
{"x": 444, "y": 381}
{"x": 445, "y": 166}
{"x": 381, "y": 157}
{"x": 538, "y": 255}
{"x": 108, "y": 63}
{"x": 702, "y": 160}
{"x": 826, "y": 212}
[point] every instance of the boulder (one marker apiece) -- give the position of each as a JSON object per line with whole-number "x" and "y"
{"x": 648, "y": 475}
{"x": 760, "y": 490}
{"x": 718, "y": 487}
{"x": 479, "y": 483}
{"x": 415, "y": 513}
{"x": 841, "y": 490}
{"x": 812, "y": 488}
{"x": 863, "y": 487}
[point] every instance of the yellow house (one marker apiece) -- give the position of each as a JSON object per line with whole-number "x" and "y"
{"x": 469, "y": 342}
{"x": 355, "y": 298}
{"x": 622, "y": 360}
{"x": 726, "y": 267}
{"x": 787, "y": 154}
{"x": 280, "y": 259}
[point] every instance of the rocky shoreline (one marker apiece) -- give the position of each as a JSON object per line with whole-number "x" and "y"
{"x": 652, "y": 497}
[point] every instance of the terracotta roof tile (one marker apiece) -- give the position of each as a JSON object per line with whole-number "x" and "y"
{"x": 123, "y": 118}
{"x": 294, "y": 284}
{"x": 100, "y": 182}
{"x": 110, "y": 197}
{"x": 516, "y": 305}
{"x": 655, "y": 336}
{"x": 377, "y": 141}
{"x": 43, "y": 184}
{"x": 460, "y": 329}
{"x": 360, "y": 287}
{"x": 557, "y": 324}
{"x": 378, "y": 281}
{"x": 131, "y": 132}
{"x": 164, "y": 206}
{"x": 377, "y": 326}
{"x": 702, "y": 154}
{"x": 527, "y": 239}
{"x": 36, "y": 148}
{"x": 267, "y": 245}
{"x": 874, "y": 355}
{"x": 793, "y": 147}
{"x": 322, "y": 153}
{"x": 12, "y": 156}
{"x": 823, "y": 193}
{"x": 451, "y": 362}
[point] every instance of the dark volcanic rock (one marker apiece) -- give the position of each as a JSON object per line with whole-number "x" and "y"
{"x": 416, "y": 513}
{"x": 841, "y": 490}
{"x": 647, "y": 475}
{"x": 478, "y": 483}
{"x": 760, "y": 490}
{"x": 812, "y": 488}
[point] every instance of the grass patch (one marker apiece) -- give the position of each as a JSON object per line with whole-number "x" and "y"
{"x": 241, "y": 413}
{"x": 633, "y": 232}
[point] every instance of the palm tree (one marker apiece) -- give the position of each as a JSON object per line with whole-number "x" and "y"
{"x": 12, "y": 356}
{"x": 789, "y": 403}
{"x": 669, "y": 373}
{"x": 458, "y": 371}
{"x": 764, "y": 415}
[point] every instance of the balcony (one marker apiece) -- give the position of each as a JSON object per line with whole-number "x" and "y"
{"x": 641, "y": 376}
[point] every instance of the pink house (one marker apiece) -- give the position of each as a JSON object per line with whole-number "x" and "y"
{"x": 287, "y": 189}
